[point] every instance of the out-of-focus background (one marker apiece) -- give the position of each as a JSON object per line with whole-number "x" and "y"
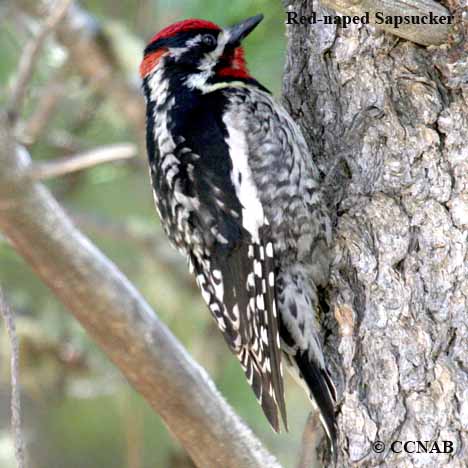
{"x": 78, "y": 411}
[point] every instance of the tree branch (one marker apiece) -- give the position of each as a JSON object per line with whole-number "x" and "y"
{"x": 434, "y": 34}
{"x": 78, "y": 162}
{"x": 9, "y": 319}
{"x": 46, "y": 106}
{"x": 120, "y": 321}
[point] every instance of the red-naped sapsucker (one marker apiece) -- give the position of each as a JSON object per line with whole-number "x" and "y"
{"x": 237, "y": 191}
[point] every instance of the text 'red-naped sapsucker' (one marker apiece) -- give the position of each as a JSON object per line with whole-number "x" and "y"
{"x": 237, "y": 192}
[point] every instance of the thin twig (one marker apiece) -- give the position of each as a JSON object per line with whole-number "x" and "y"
{"x": 47, "y": 104}
{"x": 8, "y": 317}
{"x": 29, "y": 58}
{"x": 78, "y": 162}
{"x": 83, "y": 38}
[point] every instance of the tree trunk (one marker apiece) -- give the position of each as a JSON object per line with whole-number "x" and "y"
{"x": 387, "y": 122}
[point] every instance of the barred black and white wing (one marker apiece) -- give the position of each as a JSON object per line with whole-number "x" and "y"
{"x": 261, "y": 286}
{"x": 237, "y": 275}
{"x": 238, "y": 284}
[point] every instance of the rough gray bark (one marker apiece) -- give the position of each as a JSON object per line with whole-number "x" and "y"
{"x": 397, "y": 114}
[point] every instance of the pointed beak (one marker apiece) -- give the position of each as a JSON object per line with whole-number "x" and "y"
{"x": 237, "y": 32}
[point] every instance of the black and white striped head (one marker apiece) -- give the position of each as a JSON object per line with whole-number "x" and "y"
{"x": 199, "y": 52}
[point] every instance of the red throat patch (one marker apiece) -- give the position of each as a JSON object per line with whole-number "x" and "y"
{"x": 150, "y": 61}
{"x": 235, "y": 66}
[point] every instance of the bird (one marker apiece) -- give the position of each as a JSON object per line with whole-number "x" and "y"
{"x": 238, "y": 194}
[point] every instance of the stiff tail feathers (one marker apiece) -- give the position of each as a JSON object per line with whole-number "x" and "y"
{"x": 323, "y": 393}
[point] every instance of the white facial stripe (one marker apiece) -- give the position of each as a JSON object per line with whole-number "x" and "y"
{"x": 198, "y": 80}
{"x": 205, "y": 89}
{"x": 208, "y": 62}
{"x": 211, "y": 58}
{"x": 194, "y": 41}
{"x": 176, "y": 52}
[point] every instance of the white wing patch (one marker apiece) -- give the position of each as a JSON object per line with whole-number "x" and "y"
{"x": 241, "y": 177}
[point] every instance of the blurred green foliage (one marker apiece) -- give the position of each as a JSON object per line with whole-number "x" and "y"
{"x": 78, "y": 411}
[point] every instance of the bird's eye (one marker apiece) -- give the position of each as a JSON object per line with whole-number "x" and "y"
{"x": 209, "y": 40}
